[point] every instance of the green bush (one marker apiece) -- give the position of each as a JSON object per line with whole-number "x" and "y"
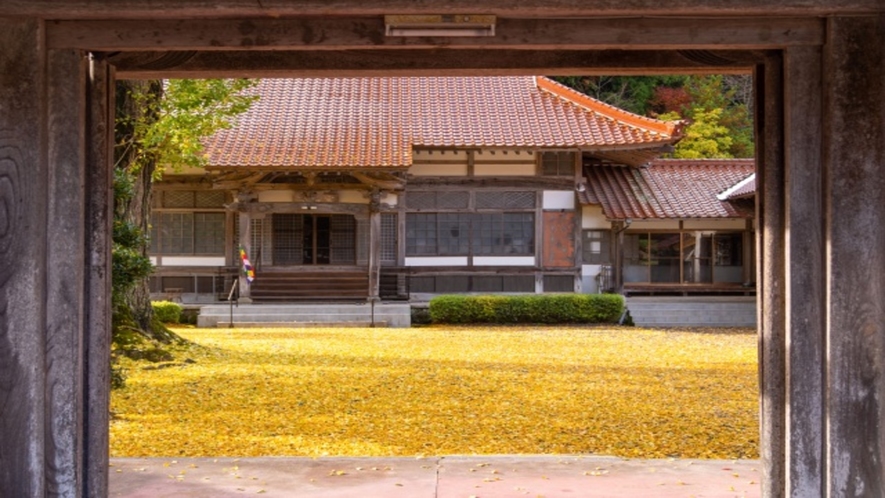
{"x": 167, "y": 311}
{"x": 543, "y": 308}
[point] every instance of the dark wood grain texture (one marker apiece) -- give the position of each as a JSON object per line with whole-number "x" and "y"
{"x": 854, "y": 131}
{"x": 805, "y": 280}
{"x": 181, "y": 9}
{"x": 22, "y": 245}
{"x": 772, "y": 325}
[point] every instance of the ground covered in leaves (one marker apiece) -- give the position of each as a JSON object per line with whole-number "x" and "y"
{"x": 627, "y": 392}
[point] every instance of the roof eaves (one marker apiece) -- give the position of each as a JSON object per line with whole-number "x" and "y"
{"x": 734, "y": 188}
{"x": 669, "y": 129}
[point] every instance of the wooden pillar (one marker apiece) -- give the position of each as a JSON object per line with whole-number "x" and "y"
{"x": 822, "y": 242}
{"x": 245, "y": 221}
{"x": 55, "y": 191}
{"x": 771, "y": 322}
{"x": 374, "y": 245}
{"x": 854, "y": 192}
{"x": 804, "y": 273}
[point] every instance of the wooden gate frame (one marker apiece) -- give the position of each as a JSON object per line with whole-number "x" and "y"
{"x": 819, "y": 68}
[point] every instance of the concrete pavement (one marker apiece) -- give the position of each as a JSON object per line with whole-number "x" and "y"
{"x": 533, "y": 476}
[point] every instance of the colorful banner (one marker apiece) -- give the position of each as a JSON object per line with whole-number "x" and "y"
{"x": 247, "y": 266}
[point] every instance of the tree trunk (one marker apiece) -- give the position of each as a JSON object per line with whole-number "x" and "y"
{"x": 136, "y": 103}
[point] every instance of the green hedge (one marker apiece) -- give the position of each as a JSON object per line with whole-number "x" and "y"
{"x": 543, "y": 308}
{"x": 167, "y": 311}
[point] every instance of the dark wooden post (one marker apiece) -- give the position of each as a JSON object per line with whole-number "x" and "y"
{"x": 55, "y": 193}
{"x": 374, "y": 244}
{"x": 854, "y": 290}
{"x": 822, "y": 242}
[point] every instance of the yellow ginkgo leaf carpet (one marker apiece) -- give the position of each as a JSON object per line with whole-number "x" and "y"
{"x": 627, "y": 392}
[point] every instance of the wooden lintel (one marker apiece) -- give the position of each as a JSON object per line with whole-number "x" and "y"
{"x": 384, "y": 181}
{"x": 303, "y": 207}
{"x": 480, "y": 181}
{"x": 368, "y": 33}
{"x": 192, "y": 9}
{"x": 234, "y": 181}
{"x": 403, "y": 62}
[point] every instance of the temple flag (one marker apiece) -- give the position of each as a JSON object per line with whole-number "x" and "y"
{"x": 247, "y": 266}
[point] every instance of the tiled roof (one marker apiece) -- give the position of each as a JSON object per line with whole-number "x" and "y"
{"x": 667, "y": 188}
{"x": 744, "y": 189}
{"x": 360, "y": 122}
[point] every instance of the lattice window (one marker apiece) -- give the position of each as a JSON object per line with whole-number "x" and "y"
{"x": 453, "y": 233}
{"x": 596, "y": 246}
{"x": 559, "y": 283}
{"x": 209, "y": 199}
{"x": 518, "y": 283}
{"x": 558, "y": 163}
{"x": 421, "y": 234}
{"x": 388, "y": 238}
{"x": 362, "y": 241}
{"x": 343, "y": 239}
{"x": 509, "y": 199}
{"x": 208, "y": 233}
{"x": 178, "y": 199}
{"x": 421, "y": 200}
{"x": 186, "y": 284}
{"x": 257, "y": 243}
{"x": 504, "y": 234}
{"x": 288, "y": 239}
{"x": 452, "y": 200}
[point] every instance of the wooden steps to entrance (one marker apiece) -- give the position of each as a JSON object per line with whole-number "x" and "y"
{"x": 289, "y": 286}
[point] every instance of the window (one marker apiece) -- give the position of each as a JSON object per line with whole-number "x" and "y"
{"x": 686, "y": 257}
{"x": 559, "y": 163}
{"x": 461, "y": 234}
{"x": 388, "y": 238}
{"x": 596, "y": 247}
{"x": 187, "y": 233}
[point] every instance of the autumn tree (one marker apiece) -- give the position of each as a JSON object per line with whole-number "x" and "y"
{"x": 159, "y": 125}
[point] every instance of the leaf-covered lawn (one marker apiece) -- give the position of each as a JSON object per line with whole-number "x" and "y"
{"x": 628, "y": 392}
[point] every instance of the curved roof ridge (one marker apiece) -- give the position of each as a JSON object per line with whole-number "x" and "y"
{"x": 672, "y": 129}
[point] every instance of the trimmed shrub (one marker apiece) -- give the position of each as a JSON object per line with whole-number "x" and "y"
{"x": 543, "y": 308}
{"x": 167, "y": 311}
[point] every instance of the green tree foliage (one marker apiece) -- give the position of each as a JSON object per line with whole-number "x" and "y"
{"x": 159, "y": 125}
{"x": 718, "y": 109}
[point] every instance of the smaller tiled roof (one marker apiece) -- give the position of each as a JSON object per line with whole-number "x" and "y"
{"x": 668, "y": 189}
{"x": 743, "y": 189}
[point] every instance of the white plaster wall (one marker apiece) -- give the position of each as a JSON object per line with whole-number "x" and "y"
{"x": 592, "y": 217}
{"x": 437, "y": 261}
{"x": 504, "y": 261}
{"x": 352, "y": 197}
{"x": 588, "y": 278}
{"x": 276, "y": 196}
{"x": 438, "y": 169}
{"x": 559, "y": 199}
{"x": 389, "y": 199}
{"x": 481, "y": 169}
{"x": 190, "y": 260}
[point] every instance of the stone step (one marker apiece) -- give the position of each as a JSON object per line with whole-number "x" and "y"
{"x": 393, "y": 315}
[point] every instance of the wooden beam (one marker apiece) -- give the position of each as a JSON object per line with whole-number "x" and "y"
{"x": 383, "y": 181}
{"x": 184, "y": 9}
{"x": 460, "y": 183}
{"x": 147, "y": 65}
{"x": 368, "y": 33}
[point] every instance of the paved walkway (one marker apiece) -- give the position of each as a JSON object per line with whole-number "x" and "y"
{"x": 436, "y": 477}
